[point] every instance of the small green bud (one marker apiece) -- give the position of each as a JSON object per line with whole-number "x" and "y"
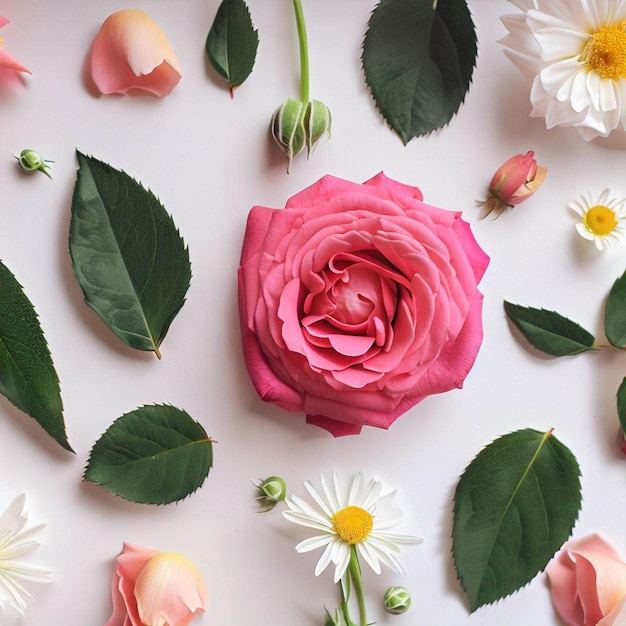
{"x": 288, "y": 128}
{"x": 397, "y": 600}
{"x": 272, "y": 490}
{"x": 317, "y": 122}
{"x": 32, "y": 161}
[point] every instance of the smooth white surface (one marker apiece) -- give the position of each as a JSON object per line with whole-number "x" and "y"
{"x": 209, "y": 159}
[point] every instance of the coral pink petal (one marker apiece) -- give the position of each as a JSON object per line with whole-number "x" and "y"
{"x": 119, "y": 608}
{"x": 586, "y": 589}
{"x": 617, "y": 617}
{"x": 3, "y": 21}
{"x": 610, "y": 578}
{"x": 562, "y": 578}
{"x": 131, "y": 52}
{"x": 169, "y": 590}
{"x": 7, "y": 62}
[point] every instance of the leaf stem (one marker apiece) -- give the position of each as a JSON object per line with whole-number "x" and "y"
{"x": 157, "y": 352}
{"x": 304, "y": 52}
{"x": 355, "y": 574}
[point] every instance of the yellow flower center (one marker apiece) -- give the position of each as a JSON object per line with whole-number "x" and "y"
{"x": 605, "y": 52}
{"x": 599, "y": 220}
{"x": 353, "y": 524}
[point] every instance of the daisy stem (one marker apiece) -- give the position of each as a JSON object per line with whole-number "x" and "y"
{"x": 304, "y": 52}
{"x": 355, "y": 575}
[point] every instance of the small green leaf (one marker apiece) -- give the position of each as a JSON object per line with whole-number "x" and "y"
{"x": 514, "y": 507}
{"x": 232, "y": 42}
{"x": 27, "y": 375}
{"x": 127, "y": 254}
{"x": 621, "y": 404}
{"x": 615, "y": 316}
{"x": 156, "y": 454}
{"x": 549, "y": 331}
{"x": 418, "y": 59}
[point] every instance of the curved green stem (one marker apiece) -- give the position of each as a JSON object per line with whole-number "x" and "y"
{"x": 304, "y": 52}
{"x": 355, "y": 575}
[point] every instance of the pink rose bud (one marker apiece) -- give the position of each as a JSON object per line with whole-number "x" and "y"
{"x": 622, "y": 439}
{"x": 154, "y": 588}
{"x": 588, "y": 583}
{"x": 515, "y": 181}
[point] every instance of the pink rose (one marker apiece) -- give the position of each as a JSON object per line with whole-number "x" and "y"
{"x": 358, "y": 301}
{"x": 588, "y": 581}
{"x": 152, "y": 588}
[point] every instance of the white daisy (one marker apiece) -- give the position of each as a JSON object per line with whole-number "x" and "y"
{"x": 15, "y": 542}
{"x": 604, "y": 219}
{"x": 361, "y": 520}
{"x": 574, "y": 51}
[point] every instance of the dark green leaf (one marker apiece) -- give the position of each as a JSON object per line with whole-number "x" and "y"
{"x": 615, "y": 316}
{"x": 27, "y": 375}
{"x": 515, "y": 506}
{"x": 418, "y": 62}
{"x": 128, "y": 256}
{"x": 549, "y": 331}
{"x": 232, "y": 42}
{"x": 621, "y": 404}
{"x": 155, "y": 454}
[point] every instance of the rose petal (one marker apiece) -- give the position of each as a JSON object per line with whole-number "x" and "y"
{"x": 131, "y": 52}
{"x": 7, "y": 62}
{"x": 170, "y": 590}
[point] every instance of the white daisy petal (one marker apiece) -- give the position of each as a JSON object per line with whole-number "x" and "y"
{"x": 324, "y": 561}
{"x": 313, "y": 543}
{"x": 342, "y": 561}
{"x": 370, "y": 557}
{"x": 318, "y": 499}
{"x": 583, "y": 232}
{"x": 303, "y": 520}
{"x": 16, "y": 541}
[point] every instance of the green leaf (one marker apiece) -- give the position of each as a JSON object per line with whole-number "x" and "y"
{"x": 515, "y": 506}
{"x": 418, "y": 61}
{"x": 232, "y": 42}
{"x": 27, "y": 375}
{"x": 156, "y": 454}
{"x": 549, "y": 331}
{"x": 621, "y": 404}
{"x": 127, "y": 254}
{"x": 615, "y": 315}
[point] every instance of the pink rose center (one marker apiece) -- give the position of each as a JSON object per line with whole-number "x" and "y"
{"x": 354, "y": 307}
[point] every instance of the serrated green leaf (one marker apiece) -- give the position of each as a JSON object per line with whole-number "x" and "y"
{"x": 615, "y": 315}
{"x": 156, "y": 454}
{"x": 621, "y": 404}
{"x": 232, "y": 42}
{"x": 27, "y": 375}
{"x": 127, "y": 255}
{"x": 515, "y": 505}
{"x": 418, "y": 59}
{"x": 549, "y": 331}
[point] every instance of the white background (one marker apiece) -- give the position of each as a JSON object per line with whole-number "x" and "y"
{"x": 210, "y": 159}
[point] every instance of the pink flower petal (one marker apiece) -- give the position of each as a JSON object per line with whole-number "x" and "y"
{"x": 7, "y": 62}
{"x": 131, "y": 52}
{"x": 170, "y": 590}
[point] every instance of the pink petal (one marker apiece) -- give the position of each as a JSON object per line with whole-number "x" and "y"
{"x": 119, "y": 607}
{"x": 7, "y": 62}
{"x": 394, "y": 187}
{"x": 617, "y": 617}
{"x": 334, "y": 427}
{"x": 131, "y": 52}
{"x": 170, "y": 590}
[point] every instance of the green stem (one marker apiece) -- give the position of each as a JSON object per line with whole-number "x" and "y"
{"x": 355, "y": 574}
{"x": 304, "y": 52}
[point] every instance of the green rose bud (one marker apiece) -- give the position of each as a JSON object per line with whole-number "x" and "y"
{"x": 272, "y": 490}
{"x": 288, "y": 128}
{"x": 397, "y": 600}
{"x": 317, "y": 122}
{"x": 31, "y": 161}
